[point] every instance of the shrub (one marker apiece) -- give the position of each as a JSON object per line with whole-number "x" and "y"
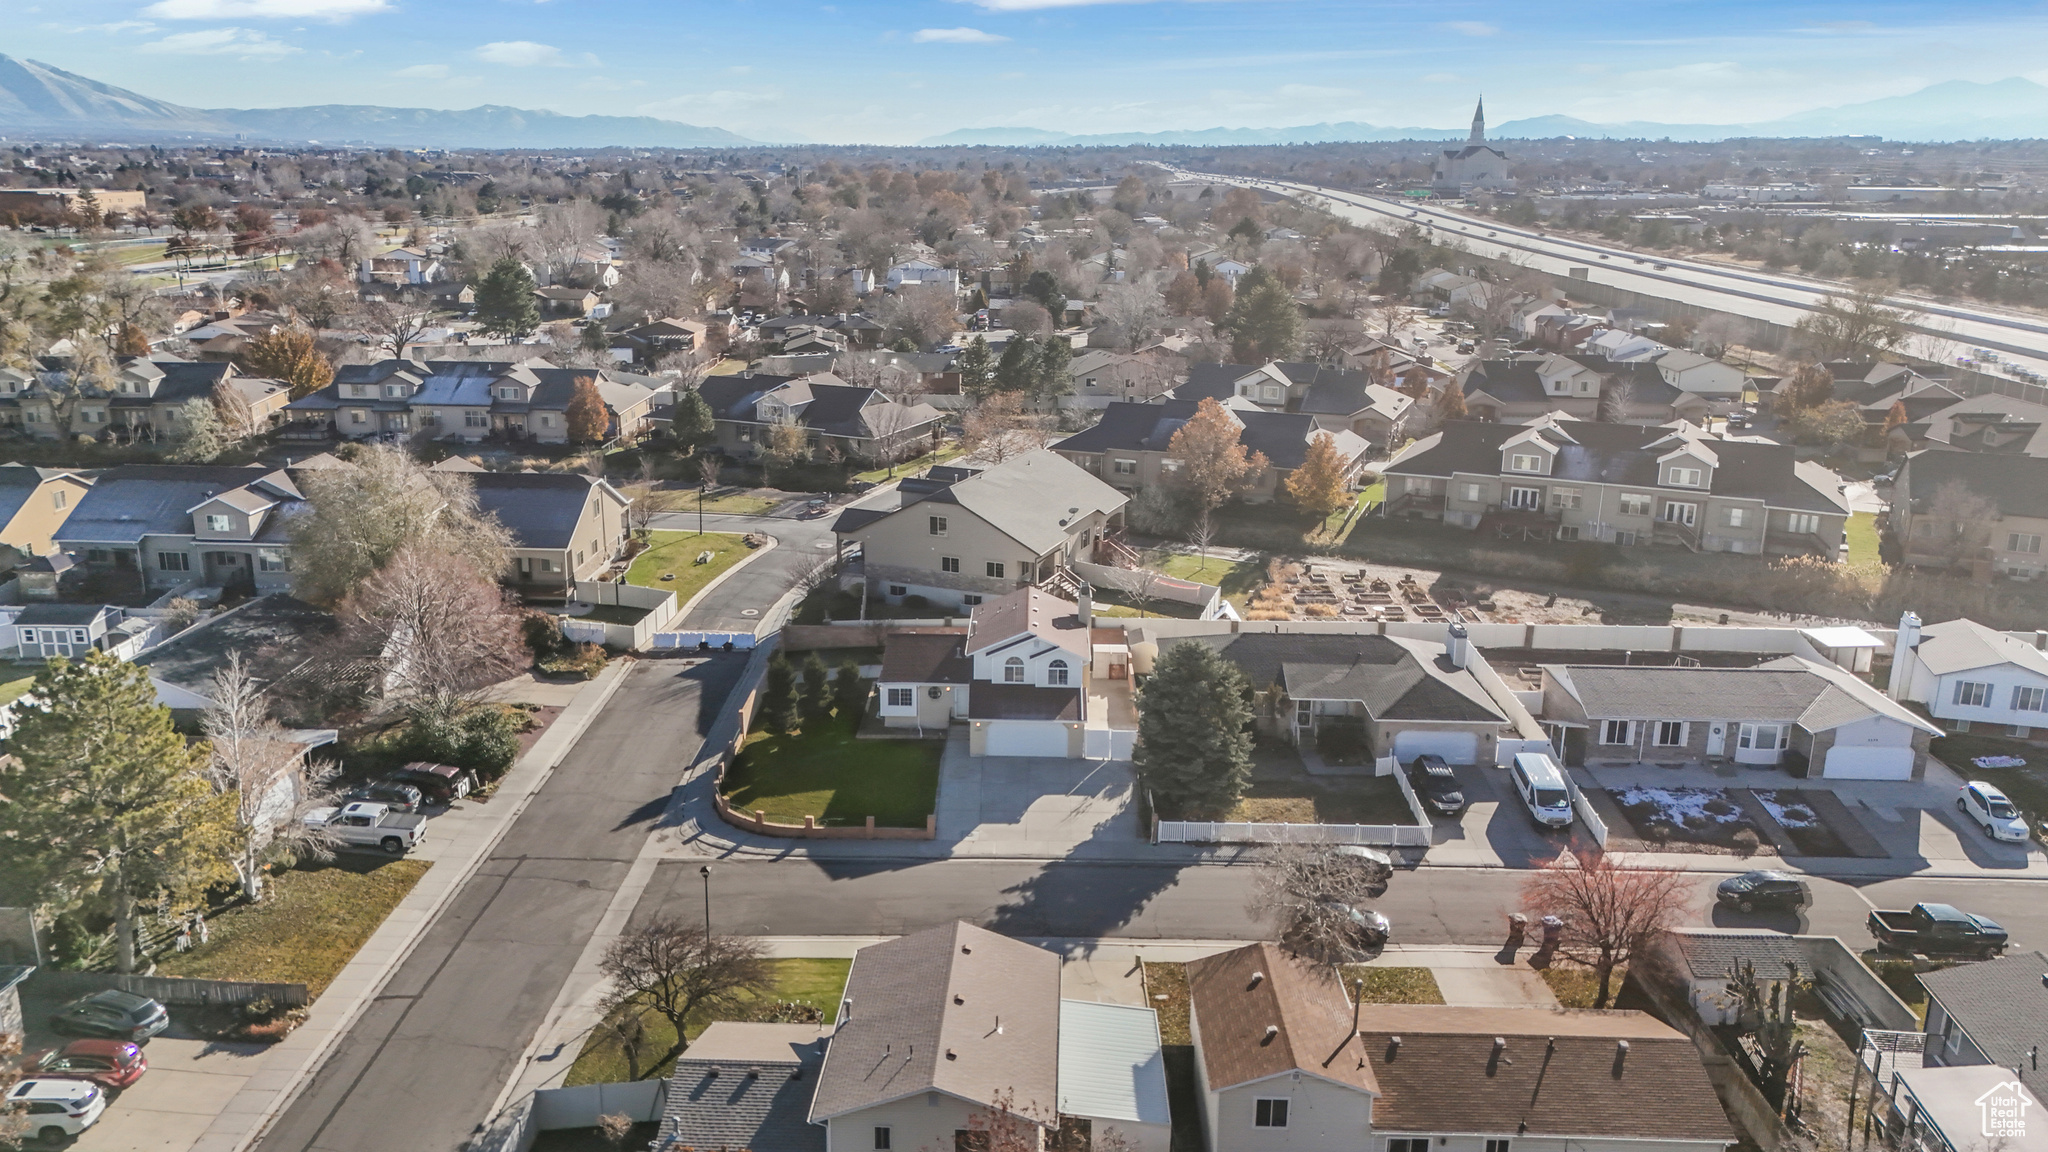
{"x": 916, "y": 601}
{"x": 1268, "y": 614}
{"x": 1320, "y": 610}
{"x": 483, "y": 738}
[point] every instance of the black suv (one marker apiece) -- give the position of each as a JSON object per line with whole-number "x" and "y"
{"x": 1762, "y": 889}
{"x": 113, "y": 1014}
{"x": 397, "y": 797}
{"x": 1437, "y": 785}
{"x": 442, "y": 784}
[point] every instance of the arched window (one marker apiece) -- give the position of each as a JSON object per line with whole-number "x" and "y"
{"x": 1056, "y": 673}
{"x": 1013, "y": 670}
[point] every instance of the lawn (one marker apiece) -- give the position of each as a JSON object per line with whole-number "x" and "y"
{"x": 1577, "y": 987}
{"x": 311, "y": 922}
{"x": 11, "y": 690}
{"x": 817, "y": 983}
{"x": 911, "y": 467}
{"x": 731, "y": 502}
{"x": 1238, "y": 578}
{"x": 1281, "y": 792}
{"x": 670, "y": 562}
{"x": 2027, "y": 787}
{"x": 835, "y": 778}
{"x": 1862, "y": 535}
{"x": 1392, "y": 985}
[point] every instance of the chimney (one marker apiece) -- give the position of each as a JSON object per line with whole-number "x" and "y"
{"x": 1457, "y": 645}
{"x": 1085, "y": 607}
{"x": 1903, "y": 657}
{"x": 2041, "y": 639}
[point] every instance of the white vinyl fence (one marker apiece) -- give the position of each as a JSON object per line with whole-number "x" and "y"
{"x": 740, "y": 641}
{"x": 1221, "y": 832}
{"x": 1587, "y": 813}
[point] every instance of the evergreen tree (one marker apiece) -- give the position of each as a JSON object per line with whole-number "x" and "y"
{"x": 1265, "y": 322}
{"x": 1194, "y": 731}
{"x": 1054, "y": 357}
{"x": 1202, "y": 273}
{"x": 849, "y": 692}
{"x": 504, "y": 300}
{"x": 690, "y": 420}
{"x": 1043, "y": 287}
{"x": 816, "y": 701}
{"x": 977, "y": 369}
{"x": 109, "y": 803}
{"x": 777, "y": 709}
{"x": 1018, "y": 369}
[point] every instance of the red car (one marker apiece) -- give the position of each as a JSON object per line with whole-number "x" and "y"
{"x": 108, "y": 1063}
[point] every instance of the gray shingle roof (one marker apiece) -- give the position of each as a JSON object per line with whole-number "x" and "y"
{"x": 1711, "y": 955}
{"x": 137, "y": 500}
{"x": 2018, "y": 485}
{"x": 1395, "y": 678}
{"x": 1789, "y": 691}
{"x": 1133, "y": 427}
{"x": 190, "y": 659}
{"x": 2002, "y": 1004}
{"x": 540, "y": 509}
{"x": 1027, "y": 498}
{"x": 746, "y": 1085}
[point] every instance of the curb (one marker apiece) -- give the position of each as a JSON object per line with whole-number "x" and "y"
{"x": 284, "y": 1096}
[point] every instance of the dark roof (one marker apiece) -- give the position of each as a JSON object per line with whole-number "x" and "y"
{"x": 540, "y": 509}
{"x": 1396, "y": 679}
{"x": 758, "y": 1100}
{"x": 2002, "y": 1004}
{"x": 71, "y": 614}
{"x": 1213, "y": 381}
{"x": 190, "y": 658}
{"x": 137, "y": 500}
{"x": 1133, "y": 427}
{"x": 2018, "y": 484}
{"x": 1712, "y": 955}
{"x": 1022, "y": 702}
{"x": 925, "y": 658}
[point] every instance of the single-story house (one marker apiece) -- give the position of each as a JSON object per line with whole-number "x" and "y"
{"x": 1991, "y": 1012}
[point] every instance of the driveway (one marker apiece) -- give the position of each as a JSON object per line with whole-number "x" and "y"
{"x": 1033, "y": 806}
{"x": 739, "y": 603}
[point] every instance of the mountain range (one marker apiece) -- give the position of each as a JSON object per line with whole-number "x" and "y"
{"x": 37, "y": 100}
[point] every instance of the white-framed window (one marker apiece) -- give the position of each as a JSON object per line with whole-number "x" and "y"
{"x": 1408, "y": 1144}
{"x": 937, "y": 525}
{"x": 949, "y": 563}
{"x": 1269, "y": 1114}
{"x": 1670, "y": 733}
{"x": 1525, "y": 498}
{"x": 270, "y": 560}
{"x": 78, "y": 635}
{"x": 2025, "y": 699}
{"x": 1768, "y": 737}
{"x": 173, "y": 562}
{"x": 547, "y": 421}
{"x": 1635, "y": 504}
{"x": 995, "y": 569}
{"x": 1617, "y": 732}
{"x": 1532, "y": 462}
{"x": 216, "y": 523}
{"x": 1056, "y": 674}
{"x": 1803, "y": 522}
{"x": 1677, "y": 513}
{"x": 901, "y": 698}
{"x": 1272, "y": 393}
{"x": 1013, "y": 670}
{"x": 1565, "y": 498}
{"x": 475, "y": 420}
{"x": 358, "y": 416}
{"x": 394, "y": 390}
{"x": 2027, "y": 542}
{"x": 1496, "y": 1146}
{"x": 59, "y": 498}
{"x": 1472, "y": 492}
{"x": 1970, "y": 694}
{"x": 1124, "y": 467}
{"x": 1569, "y": 533}
{"x": 1738, "y": 517}
{"x": 1304, "y": 713}
{"x": 1683, "y": 477}
{"x": 970, "y": 601}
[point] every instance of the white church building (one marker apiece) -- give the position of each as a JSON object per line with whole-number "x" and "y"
{"x": 1478, "y": 165}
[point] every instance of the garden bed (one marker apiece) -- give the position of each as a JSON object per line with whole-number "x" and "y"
{"x": 1796, "y": 813}
{"x": 836, "y": 779}
{"x": 1682, "y": 819}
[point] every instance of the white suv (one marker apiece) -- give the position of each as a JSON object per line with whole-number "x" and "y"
{"x": 1986, "y": 805}
{"x": 58, "y": 1109}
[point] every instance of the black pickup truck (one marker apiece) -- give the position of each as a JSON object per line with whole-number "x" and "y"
{"x": 1937, "y": 930}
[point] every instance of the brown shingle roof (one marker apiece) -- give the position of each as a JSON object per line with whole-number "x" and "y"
{"x": 925, "y": 659}
{"x": 1233, "y": 1010}
{"x": 1022, "y": 702}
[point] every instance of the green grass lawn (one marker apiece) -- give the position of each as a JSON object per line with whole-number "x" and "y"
{"x": 309, "y": 925}
{"x": 11, "y": 690}
{"x": 818, "y": 983}
{"x": 674, "y": 555}
{"x": 835, "y": 778}
{"x": 1392, "y": 985}
{"x": 911, "y": 467}
{"x": 734, "y": 502}
{"x": 1238, "y": 578}
{"x": 1862, "y": 536}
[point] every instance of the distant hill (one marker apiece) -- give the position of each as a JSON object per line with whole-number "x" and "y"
{"x": 1210, "y": 137}
{"x": 39, "y": 100}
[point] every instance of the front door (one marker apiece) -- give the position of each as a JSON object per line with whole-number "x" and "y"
{"x": 1717, "y": 738}
{"x": 1681, "y": 513}
{"x": 1525, "y": 497}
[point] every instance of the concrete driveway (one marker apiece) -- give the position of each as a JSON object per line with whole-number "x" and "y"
{"x": 1494, "y": 830}
{"x": 1033, "y": 806}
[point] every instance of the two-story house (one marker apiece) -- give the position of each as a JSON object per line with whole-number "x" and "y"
{"x": 1561, "y": 479}
{"x": 1992, "y": 1012}
{"x": 1340, "y": 400}
{"x": 1131, "y": 446}
{"x": 961, "y": 534}
{"x": 1578, "y": 385}
{"x": 472, "y": 400}
{"x": 1966, "y": 674}
{"x": 176, "y": 524}
{"x": 858, "y": 423}
{"x": 2007, "y": 495}
{"x": 565, "y": 526}
{"x": 34, "y": 503}
{"x": 143, "y": 396}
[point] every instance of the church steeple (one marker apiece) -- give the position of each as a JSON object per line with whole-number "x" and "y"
{"x": 1478, "y": 124}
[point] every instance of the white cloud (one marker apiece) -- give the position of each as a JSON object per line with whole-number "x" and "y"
{"x": 520, "y": 54}
{"x": 1473, "y": 28}
{"x": 956, "y": 36}
{"x": 104, "y": 29}
{"x": 423, "y": 72}
{"x": 264, "y": 9}
{"x": 1442, "y": 78}
{"x": 239, "y": 42}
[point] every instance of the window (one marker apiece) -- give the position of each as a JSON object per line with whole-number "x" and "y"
{"x": 1124, "y": 467}
{"x": 1568, "y": 532}
{"x": 1565, "y": 498}
{"x": 78, "y": 635}
{"x": 1272, "y": 393}
{"x": 1670, "y": 733}
{"x": 898, "y": 698}
{"x": 1496, "y": 1146}
{"x": 271, "y": 561}
{"x": 881, "y": 1139}
{"x": 216, "y": 523}
{"x": 1616, "y": 732}
{"x": 1013, "y": 670}
{"x": 1676, "y": 513}
{"x": 1056, "y": 674}
{"x": 547, "y": 564}
{"x": 995, "y": 569}
{"x": 1805, "y": 523}
{"x": 1269, "y": 1114}
{"x": 1683, "y": 477}
{"x": 1521, "y": 463}
{"x": 938, "y": 525}
{"x": 1634, "y": 504}
{"x": 173, "y": 562}
{"x": 1738, "y": 517}
{"x": 968, "y": 1140}
{"x": 358, "y": 416}
{"x": 1768, "y": 737}
{"x": 1408, "y": 1144}
{"x": 1525, "y": 497}
{"x": 59, "y": 498}
{"x": 2030, "y": 699}
{"x": 897, "y": 590}
{"x": 949, "y": 563}
{"x": 475, "y": 420}
{"x": 547, "y": 421}
{"x": 1471, "y": 493}
{"x": 2023, "y": 542}
{"x": 1971, "y": 695}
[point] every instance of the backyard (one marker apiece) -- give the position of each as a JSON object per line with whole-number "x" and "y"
{"x": 1862, "y": 537}
{"x": 670, "y": 562}
{"x": 11, "y": 690}
{"x": 814, "y": 983}
{"x": 1238, "y": 578}
{"x": 834, "y": 778}
{"x": 308, "y": 927}
{"x": 912, "y": 466}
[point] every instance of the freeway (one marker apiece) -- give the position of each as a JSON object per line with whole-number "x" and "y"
{"x": 1947, "y": 330}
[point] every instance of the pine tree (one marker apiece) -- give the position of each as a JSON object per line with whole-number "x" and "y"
{"x": 504, "y": 300}
{"x": 977, "y": 368}
{"x": 1018, "y": 370}
{"x": 816, "y": 701}
{"x": 1318, "y": 485}
{"x": 110, "y": 803}
{"x": 1265, "y": 322}
{"x": 849, "y": 692}
{"x": 1054, "y": 357}
{"x": 690, "y": 420}
{"x": 1194, "y": 731}
{"x": 777, "y": 709}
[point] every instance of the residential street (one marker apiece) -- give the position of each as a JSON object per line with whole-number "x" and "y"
{"x": 799, "y": 545}
{"x": 431, "y": 1052}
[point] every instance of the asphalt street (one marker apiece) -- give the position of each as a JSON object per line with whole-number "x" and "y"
{"x": 422, "y": 1065}
{"x": 800, "y": 546}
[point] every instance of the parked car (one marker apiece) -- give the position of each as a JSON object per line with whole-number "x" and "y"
{"x": 57, "y": 1110}
{"x": 107, "y": 1063}
{"x": 1540, "y": 784}
{"x": 367, "y": 825}
{"x": 391, "y": 794}
{"x": 1378, "y": 866}
{"x": 1437, "y": 785}
{"x": 1990, "y": 810}
{"x": 113, "y": 1014}
{"x": 443, "y": 784}
{"x": 1762, "y": 889}
{"x": 1936, "y": 930}
{"x": 812, "y": 509}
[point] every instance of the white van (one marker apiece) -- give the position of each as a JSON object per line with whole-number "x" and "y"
{"x": 1541, "y": 786}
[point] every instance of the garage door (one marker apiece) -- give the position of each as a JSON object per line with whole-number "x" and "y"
{"x": 1869, "y": 764}
{"x": 1025, "y": 738}
{"x": 1455, "y": 747}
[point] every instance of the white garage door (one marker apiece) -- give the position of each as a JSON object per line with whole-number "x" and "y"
{"x": 1869, "y": 764}
{"x": 1026, "y": 738}
{"x": 1455, "y": 747}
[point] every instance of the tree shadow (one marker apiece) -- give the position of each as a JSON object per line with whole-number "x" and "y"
{"x": 1080, "y": 900}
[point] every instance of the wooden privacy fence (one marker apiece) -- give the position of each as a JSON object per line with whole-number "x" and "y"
{"x": 168, "y": 989}
{"x": 1243, "y": 832}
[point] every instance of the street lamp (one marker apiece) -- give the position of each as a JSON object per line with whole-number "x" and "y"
{"x": 700, "y": 526}
{"x": 705, "y": 872}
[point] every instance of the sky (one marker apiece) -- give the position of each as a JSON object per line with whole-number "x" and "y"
{"x": 862, "y": 71}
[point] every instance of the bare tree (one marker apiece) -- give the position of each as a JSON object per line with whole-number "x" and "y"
{"x": 998, "y": 428}
{"x": 1857, "y": 324}
{"x": 1613, "y": 911}
{"x": 1318, "y": 894}
{"x": 1956, "y": 526}
{"x": 1617, "y": 399}
{"x": 267, "y": 774}
{"x": 1201, "y": 533}
{"x": 360, "y": 516}
{"x": 676, "y": 970}
{"x": 438, "y": 627}
{"x": 396, "y": 326}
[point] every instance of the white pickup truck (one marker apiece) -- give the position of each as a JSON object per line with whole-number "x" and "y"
{"x": 367, "y": 825}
